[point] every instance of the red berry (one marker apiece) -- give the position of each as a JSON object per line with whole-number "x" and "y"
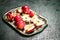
{"x": 25, "y": 9}
{"x": 31, "y": 13}
{"x": 17, "y": 18}
{"x": 20, "y": 25}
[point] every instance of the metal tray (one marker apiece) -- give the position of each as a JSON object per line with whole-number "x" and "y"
{"x": 35, "y": 32}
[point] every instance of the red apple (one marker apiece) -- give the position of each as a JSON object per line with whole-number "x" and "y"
{"x": 20, "y": 25}
{"x": 25, "y": 9}
{"x": 10, "y": 16}
{"x": 17, "y": 18}
{"x": 31, "y": 13}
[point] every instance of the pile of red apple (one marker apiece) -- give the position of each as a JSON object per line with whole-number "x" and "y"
{"x": 19, "y": 22}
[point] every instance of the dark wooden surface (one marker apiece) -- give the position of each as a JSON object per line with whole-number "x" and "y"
{"x": 50, "y": 9}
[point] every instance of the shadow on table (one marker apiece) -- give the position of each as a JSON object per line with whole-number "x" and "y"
{"x": 19, "y": 32}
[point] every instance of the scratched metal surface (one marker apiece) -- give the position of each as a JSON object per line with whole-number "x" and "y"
{"x": 50, "y": 9}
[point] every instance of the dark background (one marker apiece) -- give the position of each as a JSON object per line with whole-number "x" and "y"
{"x": 50, "y": 9}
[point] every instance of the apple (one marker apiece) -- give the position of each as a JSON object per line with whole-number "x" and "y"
{"x": 10, "y": 16}
{"x": 25, "y": 9}
{"x": 31, "y": 13}
{"x": 20, "y": 25}
{"x": 17, "y": 18}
